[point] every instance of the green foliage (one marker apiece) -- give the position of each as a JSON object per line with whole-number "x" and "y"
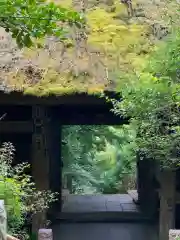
{"x": 76, "y": 155}
{"x": 21, "y": 197}
{"x": 152, "y": 99}
{"x": 165, "y": 62}
{"x": 10, "y": 191}
{"x": 116, "y": 159}
{"x": 31, "y": 19}
{"x": 123, "y": 43}
{"x": 97, "y": 158}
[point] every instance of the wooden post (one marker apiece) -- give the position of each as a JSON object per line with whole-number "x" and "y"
{"x": 167, "y": 203}
{"x": 147, "y": 195}
{"x": 55, "y": 166}
{"x": 3, "y": 221}
{"x": 46, "y": 163}
{"x": 40, "y": 159}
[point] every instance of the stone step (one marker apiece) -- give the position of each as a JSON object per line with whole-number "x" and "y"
{"x": 103, "y": 217}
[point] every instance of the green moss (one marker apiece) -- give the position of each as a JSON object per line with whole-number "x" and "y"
{"x": 117, "y": 39}
{"x": 122, "y": 45}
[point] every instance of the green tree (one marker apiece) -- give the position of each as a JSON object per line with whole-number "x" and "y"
{"x": 152, "y": 99}
{"x": 31, "y": 19}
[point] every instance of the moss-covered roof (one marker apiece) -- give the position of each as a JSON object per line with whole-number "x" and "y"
{"x": 88, "y": 61}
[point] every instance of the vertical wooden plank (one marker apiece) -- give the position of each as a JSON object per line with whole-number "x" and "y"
{"x": 55, "y": 167}
{"x": 147, "y": 196}
{"x": 3, "y": 221}
{"x": 40, "y": 158}
{"x": 167, "y": 204}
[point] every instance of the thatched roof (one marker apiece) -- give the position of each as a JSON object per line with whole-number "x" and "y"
{"x": 89, "y": 60}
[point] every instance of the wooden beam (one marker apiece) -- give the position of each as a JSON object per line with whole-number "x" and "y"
{"x": 17, "y": 98}
{"x": 16, "y": 127}
{"x": 93, "y": 120}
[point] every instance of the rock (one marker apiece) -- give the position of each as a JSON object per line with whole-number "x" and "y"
{"x": 174, "y": 234}
{"x": 45, "y": 234}
{"x": 3, "y": 221}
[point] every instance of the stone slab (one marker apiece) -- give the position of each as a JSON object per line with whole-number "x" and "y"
{"x": 129, "y": 207}
{"x": 174, "y": 234}
{"x": 45, "y": 234}
{"x": 99, "y": 203}
{"x": 134, "y": 195}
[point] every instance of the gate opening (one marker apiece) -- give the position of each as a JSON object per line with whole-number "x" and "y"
{"x": 99, "y": 169}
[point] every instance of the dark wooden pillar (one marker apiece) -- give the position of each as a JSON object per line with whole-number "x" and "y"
{"x": 147, "y": 194}
{"x": 40, "y": 158}
{"x": 46, "y": 157}
{"x": 55, "y": 167}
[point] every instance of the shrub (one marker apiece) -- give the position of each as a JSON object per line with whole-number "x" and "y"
{"x": 151, "y": 98}
{"x": 17, "y": 189}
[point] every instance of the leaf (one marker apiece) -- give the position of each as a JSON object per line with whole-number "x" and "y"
{"x": 19, "y": 40}
{"x": 27, "y": 41}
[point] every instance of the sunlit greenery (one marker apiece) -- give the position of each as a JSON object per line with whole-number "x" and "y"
{"x": 22, "y": 199}
{"x": 152, "y": 99}
{"x": 98, "y": 158}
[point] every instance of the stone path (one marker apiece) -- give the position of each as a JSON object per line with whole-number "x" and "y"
{"x": 99, "y": 203}
{"x": 104, "y": 231}
{"x": 99, "y": 208}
